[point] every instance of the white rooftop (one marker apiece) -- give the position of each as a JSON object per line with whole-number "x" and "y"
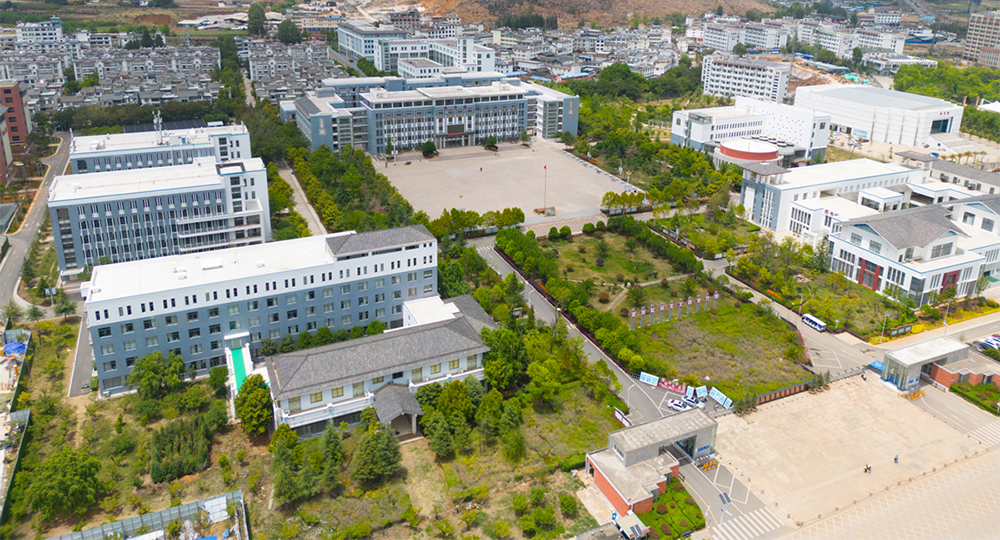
{"x": 430, "y": 309}
{"x": 839, "y": 208}
{"x": 927, "y": 351}
{"x": 881, "y": 193}
{"x": 128, "y": 279}
{"x": 203, "y": 173}
{"x": 839, "y": 171}
{"x": 731, "y": 111}
{"x": 149, "y": 139}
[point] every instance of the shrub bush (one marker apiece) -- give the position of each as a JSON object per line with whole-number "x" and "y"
{"x": 553, "y": 233}
{"x": 567, "y": 504}
{"x": 624, "y": 312}
{"x": 664, "y": 283}
{"x": 519, "y": 503}
{"x": 181, "y": 448}
{"x": 600, "y": 263}
{"x": 661, "y": 508}
{"x": 992, "y": 303}
{"x": 569, "y": 267}
{"x": 600, "y": 226}
{"x": 603, "y": 297}
{"x": 527, "y": 525}
{"x": 588, "y": 228}
{"x": 665, "y": 529}
{"x": 683, "y": 523}
{"x": 537, "y": 495}
{"x": 619, "y": 277}
{"x": 689, "y": 500}
{"x": 573, "y": 461}
{"x": 673, "y": 504}
{"x": 678, "y": 487}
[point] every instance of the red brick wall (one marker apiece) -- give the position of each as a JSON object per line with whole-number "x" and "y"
{"x": 608, "y": 490}
{"x": 663, "y": 487}
{"x": 943, "y": 377}
{"x": 643, "y": 506}
{"x": 17, "y": 126}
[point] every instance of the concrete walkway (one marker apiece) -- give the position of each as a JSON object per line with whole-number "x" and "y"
{"x": 302, "y": 205}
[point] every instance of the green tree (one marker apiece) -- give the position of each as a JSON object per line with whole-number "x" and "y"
{"x": 388, "y": 148}
{"x": 376, "y": 457}
{"x": 856, "y": 56}
{"x": 454, "y": 399}
{"x": 283, "y": 436}
{"x": 35, "y": 313}
{"x": 544, "y": 381}
{"x": 333, "y": 457}
{"x": 637, "y": 296}
{"x": 256, "y": 19}
{"x": 739, "y": 49}
{"x": 65, "y": 307}
{"x": 155, "y": 375}
{"x": 253, "y": 406}
{"x": 491, "y": 142}
{"x": 429, "y": 148}
{"x": 217, "y": 379}
{"x": 66, "y": 482}
{"x": 12, "y": 313}
{"x": 268, "y": 347}
{"x": 288, "y": 33}
{"x": 283, "y": 478}
{"x": 147, "y": 40}
{"x": 489, "y": 413}
{"x": 524, "y": 136}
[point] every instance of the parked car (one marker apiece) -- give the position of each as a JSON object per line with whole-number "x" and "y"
{"x": 678, "y": 405}
{"x": 984, "y": 344}
{"x": 691, "y": 402}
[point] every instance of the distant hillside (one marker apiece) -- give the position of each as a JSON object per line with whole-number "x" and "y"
{"x": 571, "y": 12}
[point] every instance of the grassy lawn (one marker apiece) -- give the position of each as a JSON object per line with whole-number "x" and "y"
{"x": 575, "y": 424}
{"x": 673, "y": 513}
{"x": 739, "y": 348}
{"x": 709, "y": 236}
{"x": 578, "y": 259}
{"x": 985, "y": 396}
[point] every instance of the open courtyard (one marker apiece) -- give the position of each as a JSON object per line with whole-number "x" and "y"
{"x": 515, "y": 179}
{"x": 807, "y": 453}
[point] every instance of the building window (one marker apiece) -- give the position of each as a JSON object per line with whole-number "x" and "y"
{"x": 173, "y": 336}
{"x": 152, "y": 341}
{"x": 453, "y": 364}
{"x": 435, "y": 368}
{"x": 234, "y": 309}
{"x": 171, "y": 320}
{"x": 194, "y": 332}
{"x": 411, "y": 292}
{"x": 129, "y": 344}
{"x": 104, "y": 332}
{"x": 856, "y": 239}
{"x": 987, "y": 225}
{"x": 428, "y": 288}
{"x": 195, "y": 349}
{"x": 358, "y": 389}
{"x": 192, "y": 316}
{"x": 378, "y": 380}
{"x": 875, "y": 247}
{"x": 471, "y": 362}
{"x": 107, "y": 349}
{"x": 417, "y": 375}
{"x": 213, "y": 312}
{"x": 316, "y": 397}
{"x": 290, "y": 299}
{"x": 337, "y": 392}
{"x": 294, "y": 405}
{"x": 940, "y": 251}
{"x": 969, "y": 218}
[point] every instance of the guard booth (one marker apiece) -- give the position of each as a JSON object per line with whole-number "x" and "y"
{"x": 904, "y": 367}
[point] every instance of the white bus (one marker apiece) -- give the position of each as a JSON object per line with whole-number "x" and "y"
{"x": 814, "y": 323}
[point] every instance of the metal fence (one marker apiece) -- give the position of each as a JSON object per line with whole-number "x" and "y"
{"x": 215, "y": 507}
{"x": 20, "y": 418}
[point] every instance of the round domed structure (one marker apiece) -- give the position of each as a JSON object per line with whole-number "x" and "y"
{"x": 739, "y": 150}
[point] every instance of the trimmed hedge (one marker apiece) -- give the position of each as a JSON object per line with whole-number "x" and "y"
{"x": 571, "y": 462}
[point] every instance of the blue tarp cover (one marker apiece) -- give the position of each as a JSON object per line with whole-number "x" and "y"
{"x": 15, "y": 347}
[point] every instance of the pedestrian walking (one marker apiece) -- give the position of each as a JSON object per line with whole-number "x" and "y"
{"x": 896, "y": 460}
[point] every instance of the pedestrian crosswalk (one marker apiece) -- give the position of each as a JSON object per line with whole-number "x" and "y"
{"x": 988, "y": 434}
{"x": 747, "y": 526}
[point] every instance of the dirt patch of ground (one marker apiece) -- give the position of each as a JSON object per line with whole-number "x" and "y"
{"x": 157, "y": 20}
{"x": 424, "y": 480}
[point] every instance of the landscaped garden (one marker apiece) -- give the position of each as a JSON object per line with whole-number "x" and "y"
{"x": 712, "y": 233}
{"x": 673, "y": 514}
{"x": 985, "y": 396}
{"x": 742, "y": 349}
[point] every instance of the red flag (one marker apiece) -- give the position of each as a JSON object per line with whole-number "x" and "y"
{"x": 546, "y": 167}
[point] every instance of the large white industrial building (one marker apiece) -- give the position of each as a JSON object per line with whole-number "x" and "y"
{"x": 881, "y": 115}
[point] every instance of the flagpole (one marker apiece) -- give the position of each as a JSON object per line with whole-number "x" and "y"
{"x": 545, "y": 190}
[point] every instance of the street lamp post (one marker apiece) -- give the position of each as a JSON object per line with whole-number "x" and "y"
{"x": 725, "y": 499}
{"x": 946, "y": 309}
{"x": 882, "y": 337}
{"x": 628, "y": 395}
{"x": 801, "y": 297}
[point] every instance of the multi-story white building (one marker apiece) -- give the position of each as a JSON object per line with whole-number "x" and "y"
{"x": 357, "y": 39}
{"x": 207, "y": 306}
{"x": 50, "y": 30}
{"x": 35, "y": 69}
{"x": 158, "y": 148}
{"x": 438, "y": 343}
{"x": 121, "y": 216}
{"x": 882, "y": 115}
{"x": 807, "y": 130}
{"x": 117, "y": 63}
{"x": 888, "y": 18}
{"x": 724, "y": 75}
{"x": 879, "y": 40}
{"x": 889, "y": 63}
{"x": 919, "y": 251}
{"x": 418, "y": 68}
{"x": 459, "y": 52}
{"x": 984, "y": 31}
{"x": 755, "y": 36}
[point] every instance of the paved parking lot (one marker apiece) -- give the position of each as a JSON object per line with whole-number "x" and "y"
{"x": 515, "y": 179}
{"x": 807, "y": 453}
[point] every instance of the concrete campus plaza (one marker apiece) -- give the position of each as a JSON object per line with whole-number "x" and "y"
{"x": 516, "y": 179}
{"x": 807, "y": 453}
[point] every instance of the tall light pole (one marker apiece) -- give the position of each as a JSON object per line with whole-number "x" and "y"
{"x": 725, "y": 500}
{"x": 946, "y": 309}
{"x": 555, "y": 324}
{"x": 882, "y": 337}
{"x": 801, "y": 297}
{"x": 628, "y": 394}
